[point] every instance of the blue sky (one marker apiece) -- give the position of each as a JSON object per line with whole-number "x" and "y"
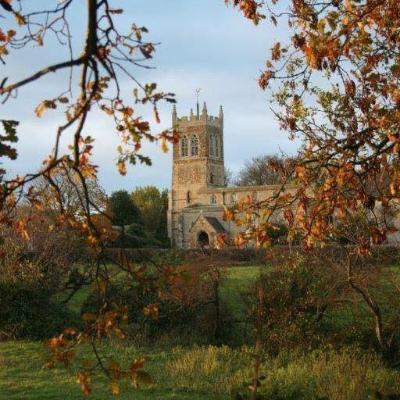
{"x": 203, "y": 44}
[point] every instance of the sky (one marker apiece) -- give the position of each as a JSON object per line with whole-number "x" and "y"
{"x": 202, "y": 44}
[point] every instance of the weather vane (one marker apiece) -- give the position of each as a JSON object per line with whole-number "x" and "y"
{"x": 198, "y": 93}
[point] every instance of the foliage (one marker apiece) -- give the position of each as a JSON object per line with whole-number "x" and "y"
{"x": 27, "y": 310}
{"x": 153, "y": 205}
{"x": 310, "y": 299}
{"x": 122, "y": 209}
{"x": 335, "y": 86}
{"x": 295, "y": 301}
{"x": 185, "y": 303}
{"x": 150, "y": 202}
{"x": 9, "y": 136}
{"x": 46, "y": 257}
{"x": 63, "y": 192}
{"x": 278, "y": 233}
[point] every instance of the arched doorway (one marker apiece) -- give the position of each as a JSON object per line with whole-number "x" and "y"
{"x": 203, "y": 240}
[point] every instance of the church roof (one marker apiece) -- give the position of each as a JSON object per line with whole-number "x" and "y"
{"x": 215, "y": 224}
{"x": 211, "y": 221}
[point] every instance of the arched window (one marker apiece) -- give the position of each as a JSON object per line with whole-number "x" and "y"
{"x": 184, "y": 147}
{"x": 194, "y": 146}
{"x": 254, "y": 196}
{"x": 212, "y": 178}
{"x": 213, "y": 199}
{"x": 188, "y": 197}
{"x": 217, "y": 146}
{"x": 233, "y": 198}
{"x": 212, "y": 145}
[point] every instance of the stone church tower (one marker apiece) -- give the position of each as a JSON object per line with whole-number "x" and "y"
{"x": 198, "y": 164}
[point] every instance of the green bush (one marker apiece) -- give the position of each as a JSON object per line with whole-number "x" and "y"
{"x": 28, "y": 311}
{"x": 295, "y": 301}
{"x": 185, "y": 305}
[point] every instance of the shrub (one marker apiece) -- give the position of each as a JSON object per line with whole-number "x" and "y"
{"x": 185, "y": 303}
{"x": 295, "y": 300}
{"x": 309, "y": 300}
{"x": 28, "y": 311}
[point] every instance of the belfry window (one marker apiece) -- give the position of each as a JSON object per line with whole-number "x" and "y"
{"x": 216, "y": 146}
{"x": 184, "y": 147}
{"x": 194, "y": 146}
{"x": 212, "y": 145}
{"x": 213, "y": 199}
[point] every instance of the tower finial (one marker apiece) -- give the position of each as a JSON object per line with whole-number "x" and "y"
{"x": 197, "y": 104}
{"x": 204, "y": 112}
{"x": 221, "y": 112}
{"x": 174, "y": 115}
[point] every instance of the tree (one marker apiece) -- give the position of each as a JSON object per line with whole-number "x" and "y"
{"x": 63, "y": 188}
{"x": 262, "y": 170}
{"x": 336, "y": 86}
{"x": 106, "y": 56}
{"x": 151, "y": 203}
{"x": 339, "y": 76}
{"x": 162, "y": 230}
{"x": 122, "y": 209}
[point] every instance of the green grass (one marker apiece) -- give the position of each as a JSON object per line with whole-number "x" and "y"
{"x": 202, "y": 373}
{"x": 238, "y": 281}
{"x": 22, "y": 375}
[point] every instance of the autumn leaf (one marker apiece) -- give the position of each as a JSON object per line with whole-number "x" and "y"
{"x": 43, "y": 106}
{"x": 20, "y": 19}
{"x": 164, "y": 145}
{"x": 115, "y": 390}
{"x": 121, "y": 165}
{"x": 156, "y": 115}
{"x": 84, "y": 379}
{"x": 39, "y": 40}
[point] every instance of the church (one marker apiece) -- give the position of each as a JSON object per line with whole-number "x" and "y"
{"x": 198, "y": 194}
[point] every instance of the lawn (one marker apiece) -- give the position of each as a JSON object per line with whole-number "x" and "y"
{"x": 204, "y": 373}
{"x": 22, "y": 376}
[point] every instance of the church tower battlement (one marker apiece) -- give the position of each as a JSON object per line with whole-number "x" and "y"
{"x": 198, "y": 159}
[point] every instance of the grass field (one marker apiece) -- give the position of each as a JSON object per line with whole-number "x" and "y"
{"x": 202, "y": 372}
